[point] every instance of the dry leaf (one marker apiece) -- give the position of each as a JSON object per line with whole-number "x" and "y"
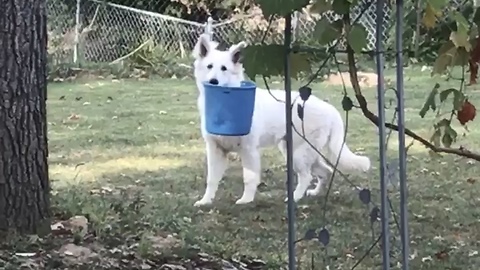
{"x": 441, "y": 255}
{"x": 74, "y": 117}
{"x": 471, "y": 180}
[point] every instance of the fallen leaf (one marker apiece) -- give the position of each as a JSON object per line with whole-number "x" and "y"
{"x": 74, "y": 117}
{"x": 471, "y": 180}
{"x": 441, "y": 255}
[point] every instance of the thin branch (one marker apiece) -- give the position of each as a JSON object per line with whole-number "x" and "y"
{"x": 352, "y": 69}
{"x": 131, "y": 53}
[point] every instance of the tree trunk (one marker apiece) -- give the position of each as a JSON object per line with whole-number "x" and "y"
{"x": 24, "y": 185}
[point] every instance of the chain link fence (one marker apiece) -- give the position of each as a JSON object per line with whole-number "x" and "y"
{"x": 103, "y": 32}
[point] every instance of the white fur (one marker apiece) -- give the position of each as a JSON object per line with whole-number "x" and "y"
{"x": 323, "y": 127}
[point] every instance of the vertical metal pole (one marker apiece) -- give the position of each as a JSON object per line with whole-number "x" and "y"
{"x": 288, "y": 138}
{"x": 401, "y": 138}
{"x": 77, "y": 32}
{"x": 382, "y": 136}
{"x": 209, "y": 27}
{"x": 295, "y": 26}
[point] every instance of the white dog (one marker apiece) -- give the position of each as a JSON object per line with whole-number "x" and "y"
{"x": 323, "y": 127}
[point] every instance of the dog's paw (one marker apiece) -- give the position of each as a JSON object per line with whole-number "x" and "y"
{"x": 296, "y": 197}
{"x": 295, "y": 201}
{"x": 244, "y": 200}
{"x": 312, "y": 192}
{"x": 202, "y": 202}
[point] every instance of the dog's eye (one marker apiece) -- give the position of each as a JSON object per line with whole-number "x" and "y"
{"x": 224, "y": 68}
{"x": 210, "y": 66}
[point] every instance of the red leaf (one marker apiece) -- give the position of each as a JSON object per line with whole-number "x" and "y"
{"x": 466, "y": 113}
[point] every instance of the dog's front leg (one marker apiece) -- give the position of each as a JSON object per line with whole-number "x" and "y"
{"x": 251, "y": 162}
{"x": 217, "y": 163}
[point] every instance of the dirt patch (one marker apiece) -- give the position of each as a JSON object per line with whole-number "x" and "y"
{"x": 365, "y": 79}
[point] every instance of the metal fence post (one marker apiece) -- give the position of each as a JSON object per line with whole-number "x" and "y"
{"x": 402, "y": 155}
{"x": 288, "y": 139}
{"x": 77, "y": 32}
{"x": 209, "y": 27}
{"x": 385, "y": 211}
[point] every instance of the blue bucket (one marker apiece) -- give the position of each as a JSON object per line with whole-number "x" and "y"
{"x": 229, "y": 110}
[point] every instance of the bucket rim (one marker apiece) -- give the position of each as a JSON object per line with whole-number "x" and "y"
{"x": 245, "y": 85}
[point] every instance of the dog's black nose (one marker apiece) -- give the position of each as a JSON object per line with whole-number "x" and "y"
{"x": 213, "y": 81}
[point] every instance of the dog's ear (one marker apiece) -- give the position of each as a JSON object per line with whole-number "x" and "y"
{"x": 236, "y": 51}
{"x": 202, "y": 47}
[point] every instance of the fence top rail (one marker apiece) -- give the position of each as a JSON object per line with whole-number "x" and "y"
{"x": 149, "y": 13}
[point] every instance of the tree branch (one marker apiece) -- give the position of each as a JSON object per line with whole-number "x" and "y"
{"x": 352, "y": 69}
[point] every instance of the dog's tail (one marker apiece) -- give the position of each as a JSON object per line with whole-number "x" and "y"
{"x": 348, "y": 160}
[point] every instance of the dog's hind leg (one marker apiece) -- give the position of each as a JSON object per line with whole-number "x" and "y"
{"x": 303, "y": 160}
{"x": 217, "y": 164}
{"x": 251, "y": 162}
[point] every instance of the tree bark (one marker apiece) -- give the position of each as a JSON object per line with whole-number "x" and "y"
{"x": 24, "y": 185}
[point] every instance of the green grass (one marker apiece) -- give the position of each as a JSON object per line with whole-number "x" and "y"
{"x": 132, "y": 161}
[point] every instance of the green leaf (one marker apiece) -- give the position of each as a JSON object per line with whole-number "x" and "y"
{"x": 357, "y": 38}
{"x": 347, "y": 103}
{"x": 435, "y": 139}
{"x": 299, "y": 63}
{"x": 321, "y": 6}
{"x": 461, "y": 37}
{"x": 461, "y": 40}
{"x": 430, "y": 16}
{"x": 438, "y": 4}
{"x": 430, "y": 102}
{"x": 268, "y": 60}
{"x": 442, "y": 123}
{"x": 476, "y": 17}
{"x": 446, "y": 47}
{"x": 461, "y": 22}
{"x": 433, "y": 10}
{"x": 460, "y": 57}
{"x": 458, "y": 97}
{"x": 449, "y": 136}
{"x": 445, "y": 93}
{"x": 448, "y": 56}
{"x": 280, "y": 7}
{"x": 326, "y": 32}
{"x": 341, "y": 7}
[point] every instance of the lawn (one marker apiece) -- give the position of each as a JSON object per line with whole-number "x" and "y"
{"x": 128, "y": 155}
